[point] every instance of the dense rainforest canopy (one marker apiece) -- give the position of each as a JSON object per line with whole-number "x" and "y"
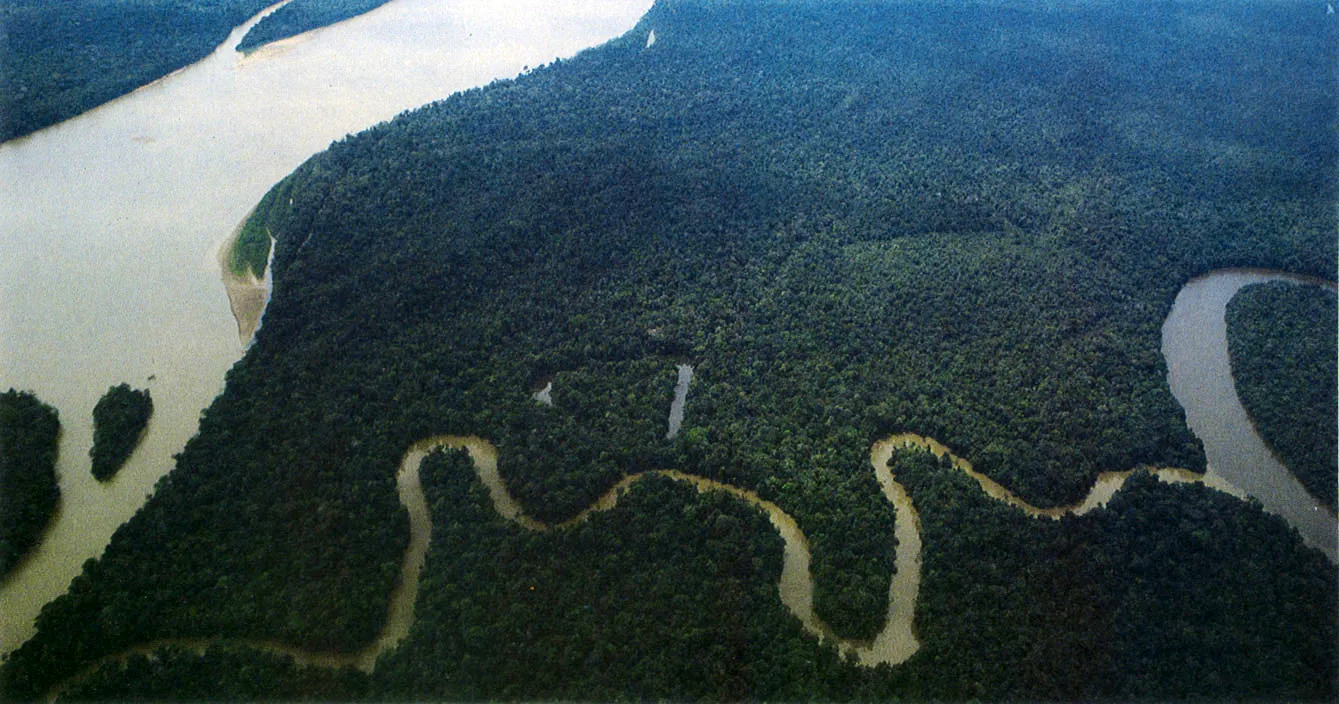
{"x": 119, "y": 420}
{"x": 964, "y": 220}
{"x": 29, "y": 432}
{"x": 1285, "y": 360}
{"x": 59, "y": 59}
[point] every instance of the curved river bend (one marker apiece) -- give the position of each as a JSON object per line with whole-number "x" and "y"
{"x": 1194, "y": 342}
{"x": 894, "y": 644}
{"x": 1195, "y": 345}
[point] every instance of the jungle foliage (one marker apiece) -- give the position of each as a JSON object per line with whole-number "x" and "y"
{"x": 119, "y": 420}
{"x": 222, "y": 673}
{"x": 697, "y": 626}
{"x": 1172, "y": 592}
{"x": 1281, "y": 339}
{"x": 59, "y": 59}
{"x": 962, "y": 220}
{"x": 29, "y": 431}
{"x": 249, "y": 254}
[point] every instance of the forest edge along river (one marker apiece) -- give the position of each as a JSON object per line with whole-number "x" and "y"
{"x": 894, "y": 644}
{"x": 110, "y": 224}
{"x": 1197, "y": 315}
{"x": 1199, "y": 372}
{"x": 248, "y": 294}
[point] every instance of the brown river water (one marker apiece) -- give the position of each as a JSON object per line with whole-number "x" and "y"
{"x": 894, "y": 644}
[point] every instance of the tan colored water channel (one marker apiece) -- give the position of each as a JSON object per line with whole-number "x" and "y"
{"x": 894, "y": 644}
{"x": 1199, "y": 372}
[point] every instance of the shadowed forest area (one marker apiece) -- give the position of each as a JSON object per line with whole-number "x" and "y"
{"x": 962, "y": 220}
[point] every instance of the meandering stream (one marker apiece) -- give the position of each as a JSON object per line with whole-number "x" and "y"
{"x": 1196, "y": 356}
{"x": 894, "y": 644}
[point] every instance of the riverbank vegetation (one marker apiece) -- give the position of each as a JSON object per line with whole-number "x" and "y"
{"x": 222, "y": 673}
{"x": 58, "y": 60}
{"x": 119, "y": 420}
{"x": 29, "y": 432}
{"x": 575, "y": 615}
{"x": 1281, "y": 339}
{"x": 1171, "y": 592}
{"x": 249, "y": 253}
{"x": 966, "y": 221}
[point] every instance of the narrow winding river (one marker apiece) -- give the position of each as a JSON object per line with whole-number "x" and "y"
{"x": 895, "y": 642}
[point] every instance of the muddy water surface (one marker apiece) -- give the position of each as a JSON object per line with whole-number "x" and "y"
{"x": 110, "y": 224}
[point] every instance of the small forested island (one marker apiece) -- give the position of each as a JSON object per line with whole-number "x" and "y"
{"x": 119, "y": 420}
{"x": 962, "y": 220}
{"x": 29, "y": 432}
{"x": 1282, "y": 342}
{"x": 59, "y": 59}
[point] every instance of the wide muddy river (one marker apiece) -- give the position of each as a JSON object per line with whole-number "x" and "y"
{"x": 110, "y": 222}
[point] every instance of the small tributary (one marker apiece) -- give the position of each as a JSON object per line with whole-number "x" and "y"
{"x": 109, "y": 221}
{"x": 680, "y": 401}
{"x": 1194, "y": 342}
{"x": 894, "y": 644}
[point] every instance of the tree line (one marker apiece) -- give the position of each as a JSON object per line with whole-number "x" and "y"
{"x": 58, "y": 60}
{"x": 303, "y": 15}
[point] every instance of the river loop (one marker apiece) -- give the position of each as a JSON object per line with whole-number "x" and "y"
{"x": 894, "y": 644}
